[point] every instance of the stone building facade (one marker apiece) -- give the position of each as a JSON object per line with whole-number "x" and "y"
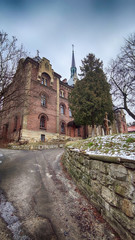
{"x": 39, "y": 110}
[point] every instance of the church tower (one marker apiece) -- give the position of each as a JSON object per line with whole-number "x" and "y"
{"x": 73, "y": 69}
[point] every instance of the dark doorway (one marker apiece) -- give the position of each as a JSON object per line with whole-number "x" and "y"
{"x": 42, "y": 138}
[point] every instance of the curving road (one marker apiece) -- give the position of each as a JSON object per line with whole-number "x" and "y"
{"x": 39, "y": 201}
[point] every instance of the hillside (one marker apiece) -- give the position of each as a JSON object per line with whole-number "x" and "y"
{"x": 121, "y": 145}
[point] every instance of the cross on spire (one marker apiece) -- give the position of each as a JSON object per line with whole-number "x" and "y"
{"x": 37, "y": 53}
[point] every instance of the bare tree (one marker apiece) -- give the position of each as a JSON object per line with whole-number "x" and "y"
{"x": 10, "y": 54}
{"x": 122, "y": 77}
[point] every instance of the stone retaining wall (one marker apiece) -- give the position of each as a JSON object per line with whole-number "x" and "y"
{"x": 109, "y": 183}
{"x": 35, "y": 147}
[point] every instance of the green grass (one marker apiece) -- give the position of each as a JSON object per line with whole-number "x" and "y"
{"x": 130, "y": 140}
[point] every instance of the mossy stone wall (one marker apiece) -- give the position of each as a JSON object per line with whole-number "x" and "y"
{"x": 109, "y": 183}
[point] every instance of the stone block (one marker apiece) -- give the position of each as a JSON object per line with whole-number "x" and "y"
{"x": 87, "y": 163}
{"x": 105, "y": 180}
{"x": 127, "y": 208}
{"x": 131, "y": 177}
{"x": 85, "y": 179}
{"x": 93, "y": 174}
{"x": 103, "y": 167}
{"x": 124, "y": 189}
{"x": 118, "y": 172}
{"x": 109, "y": 196}
{"x": 129, "y": 165}
{"x": 133, "y": 199}
{"x": 95, "y": 165}
{"x": 81, "y": 160}
{"x": 96, "y": 187}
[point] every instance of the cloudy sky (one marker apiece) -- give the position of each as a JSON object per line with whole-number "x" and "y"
{"x": 52, "y": 26}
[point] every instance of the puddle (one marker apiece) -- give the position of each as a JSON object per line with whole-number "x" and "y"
{"x": 7, "y": 212}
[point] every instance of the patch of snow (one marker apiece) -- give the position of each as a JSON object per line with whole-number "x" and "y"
{"x": 7, "y": 212}
{"x": 37, "y": 165}
{"x": 48, "y": 175}
{"x": 76, "y": 149}
{"x": 121, "y": 145}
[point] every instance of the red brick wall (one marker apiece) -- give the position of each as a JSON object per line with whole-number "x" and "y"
{"x": 35, "y": 107}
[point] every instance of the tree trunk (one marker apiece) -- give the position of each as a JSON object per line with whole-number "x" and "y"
{"x": 93, "y": 133}
{"x": 131, "y": 114}
{"x": 84, "y": 132}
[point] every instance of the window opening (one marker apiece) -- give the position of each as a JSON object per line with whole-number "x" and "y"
{"x": 42, "y": 122}
{"x": 62, "y": 127}
{"x": 70, "y": 113}
{"x": 42, "y": 81}
{"x": 62, "y": 109}
{"x": 42, "y": 138}
{"x": 43, "y": 101}
{"x": 62, "y": 94}
{"x": 45, "y": 82}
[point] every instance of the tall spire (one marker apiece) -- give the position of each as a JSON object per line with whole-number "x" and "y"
{"x": 73, "y": 69}
{"x": 73, "y": 58}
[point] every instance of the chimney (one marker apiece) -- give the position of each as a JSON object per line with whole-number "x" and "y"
{"x": 64, "y": 80}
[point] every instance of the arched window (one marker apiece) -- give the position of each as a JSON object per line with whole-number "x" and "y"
{"x": 45, "y": 79}
{"x": 43, "y": 100}
{"x": 43, "y": 122}
{"x": 42, "y": 81}
{"x": 70, "y": 113}
{"x": 62, "y": 93}
{"x": 62, "y": 108}
{"x": 62, "y": 127}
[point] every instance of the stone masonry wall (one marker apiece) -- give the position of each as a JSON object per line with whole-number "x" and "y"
{"x": 109, "y": 183}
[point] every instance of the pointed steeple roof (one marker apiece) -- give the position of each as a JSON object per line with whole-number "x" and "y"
{"x": 73, "y": 70}
{"x": 73, "y": 58}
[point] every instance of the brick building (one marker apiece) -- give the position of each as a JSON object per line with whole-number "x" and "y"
{"x": 37, "y": 108}
{"x": 35, "y": 105}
